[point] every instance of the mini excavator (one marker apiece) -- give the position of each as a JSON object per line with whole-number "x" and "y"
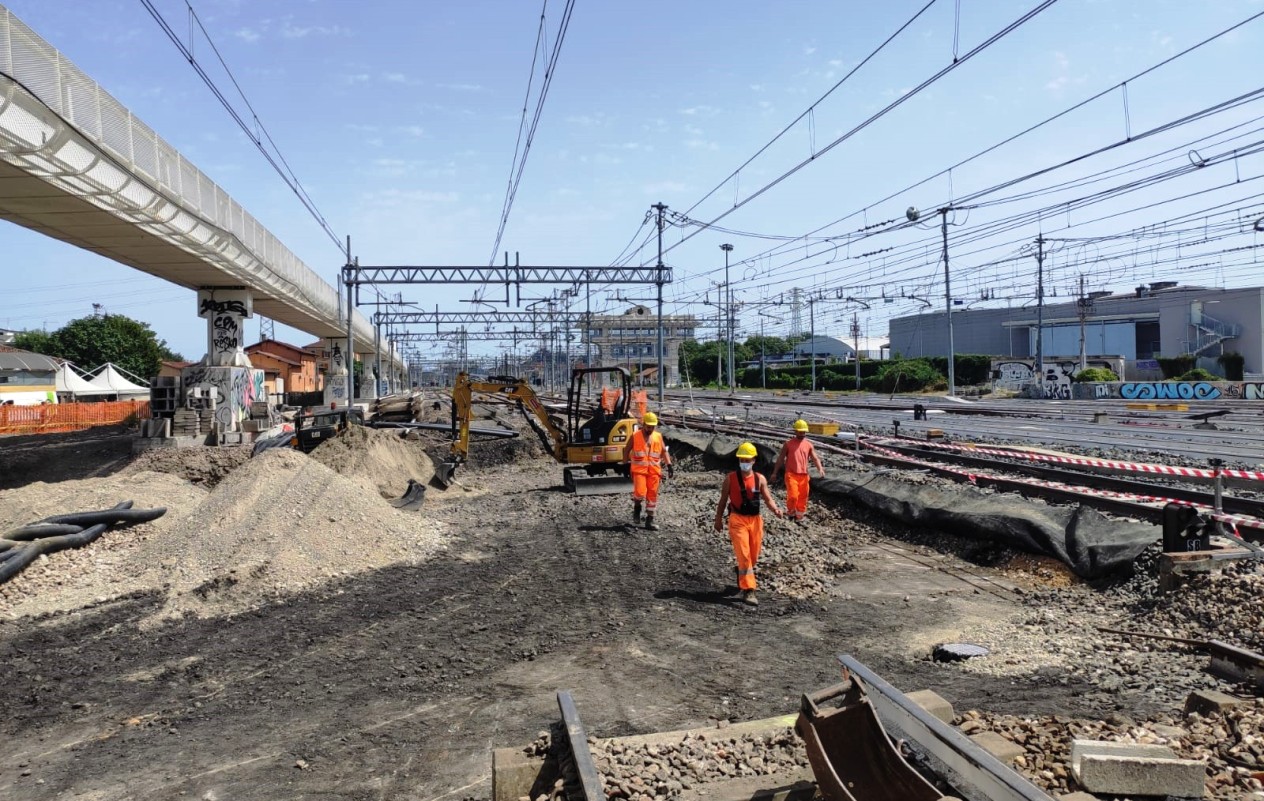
{"x": 590, "y": 444}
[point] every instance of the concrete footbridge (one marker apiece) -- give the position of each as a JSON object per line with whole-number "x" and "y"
{"x": 78, "y": 166}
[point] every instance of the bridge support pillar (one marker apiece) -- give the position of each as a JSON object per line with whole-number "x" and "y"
{"x": 225, "y": 377}
{"x": 336, "y": 377}
{"x": 226, "y": 311}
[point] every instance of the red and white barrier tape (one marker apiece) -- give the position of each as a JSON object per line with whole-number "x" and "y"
{"x": 1232, "y": 520}
{"x": 1135, "y": 467}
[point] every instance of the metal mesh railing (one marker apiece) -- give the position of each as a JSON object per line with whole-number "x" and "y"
{"x": 59, "y": 124}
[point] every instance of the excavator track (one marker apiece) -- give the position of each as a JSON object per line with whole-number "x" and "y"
{"x": 579, "y": 481}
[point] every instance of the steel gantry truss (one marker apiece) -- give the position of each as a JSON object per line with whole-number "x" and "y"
{"x": 355, "y": 275}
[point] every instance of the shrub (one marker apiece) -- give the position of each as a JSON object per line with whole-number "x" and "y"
{"x": 1234, "y": 365}
{"x": 909, "y": 375}
{"x": 1199, "y": 374}
{"x": 1093, "y": 374}
{"x": 1175, "y": 365}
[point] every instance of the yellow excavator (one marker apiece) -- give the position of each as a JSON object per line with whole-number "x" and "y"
{"x": 590, "y": 441}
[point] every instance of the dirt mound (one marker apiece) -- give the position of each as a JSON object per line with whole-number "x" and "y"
{"x": 205, "y": 466}
{"x": 108, "y": 566}
{"x": 281, "y": 523}
{"x": 379, "y": 455}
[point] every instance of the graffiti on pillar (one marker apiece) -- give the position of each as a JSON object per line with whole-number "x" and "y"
{"x": 226, "y": 338}
{"x": 336, "y": 364}
{"x": 225, "y": 312}
{"x": 1169, "y": 390}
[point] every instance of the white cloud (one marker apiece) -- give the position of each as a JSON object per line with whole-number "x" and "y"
{"x": 757, "y": 87}
{"x": 248, "y": 35}
{"x": 394, "y": 77}
{"x": 836, "y": 62}
{"x": 665, "y": 188}
{"x": 693, "y": 130}
{"x": 701, "y": 144}
{"x": 586, "y": 120}
{"x": 462, "y": 87}
{"x": 809, "y": 50}
{"x": 402, "y": 197}
{"x": 700, "y": 111}
{"x": 290, "y": 31}
{"x": 412, "y": 130}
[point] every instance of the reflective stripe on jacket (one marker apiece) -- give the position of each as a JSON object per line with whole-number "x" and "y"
{"x": 647, "y": 456}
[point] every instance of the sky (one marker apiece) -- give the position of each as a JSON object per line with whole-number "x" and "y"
{"x": 400, "y": 119}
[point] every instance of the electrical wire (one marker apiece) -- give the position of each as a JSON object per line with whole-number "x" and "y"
{"x": 273, "y": 157}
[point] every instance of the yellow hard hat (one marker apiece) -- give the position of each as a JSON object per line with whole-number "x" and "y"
{"x": 650, "y": 419}
{"x": 800, "y": 425}
{"x": 746, "y": 451}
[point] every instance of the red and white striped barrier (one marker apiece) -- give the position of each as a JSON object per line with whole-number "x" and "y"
{"x": 1135, "y": 467}
{"x": 1233, "y": 521}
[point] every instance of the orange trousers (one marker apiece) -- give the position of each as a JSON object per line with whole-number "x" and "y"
{"x": 746, "y": 532}
{"x": 645, "y": 488}
{"x": 796, "y": 494}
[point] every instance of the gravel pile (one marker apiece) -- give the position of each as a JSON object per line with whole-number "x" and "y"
{"x": 1227, "y": 605}
{"x": 387, "y": 460}
{"x": 1232, "y": 745}
{"x": 280, "y": 524}
{"x": 81, "y": 576}
{"x": 665, "y": 771}
{"x": 204, "y": 466}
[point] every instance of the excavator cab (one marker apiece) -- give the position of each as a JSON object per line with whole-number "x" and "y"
{"x": 596, "y": 439}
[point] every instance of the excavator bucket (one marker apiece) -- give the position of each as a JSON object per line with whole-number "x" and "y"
{"x": 851, "y": 755}
{"x": 578, "y": 481}
{"x": 411, "y": 500}
{"x": 445, "y": 473}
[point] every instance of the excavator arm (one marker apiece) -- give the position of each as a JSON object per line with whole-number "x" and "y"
{"x": 462, "y": 408}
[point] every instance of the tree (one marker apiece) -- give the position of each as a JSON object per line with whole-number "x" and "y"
{"x": 91, "y": 341}
{"x": 34, "y": 341}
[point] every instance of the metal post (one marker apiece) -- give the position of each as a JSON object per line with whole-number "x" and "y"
{"x": 1082, "y": 302}
{"x": 377, "y": 350}
{"x": 1040, "y": 314}
{"x": 728, "y": 314}
{"x": 662, "y": 379}
{"x": 812, "y": 328}
{"x": 855, "y": 332}
{"x": 763, "y": 378}
{"x": 1217, "y": 464}
{"x": 719, "y": 342}
{"x": 391, "y": 383}
{"x": 952, "y": 351}
{"x": 349, "y": 357}
{"x": 587, "y": 324}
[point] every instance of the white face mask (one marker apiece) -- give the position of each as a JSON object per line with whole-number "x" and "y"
{"x": 746, "y": 466}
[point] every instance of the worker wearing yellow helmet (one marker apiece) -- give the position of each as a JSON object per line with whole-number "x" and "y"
{"x": 793, "y": 458}
{"x": 648, "y": 455}
{"x": 740, "y": 495}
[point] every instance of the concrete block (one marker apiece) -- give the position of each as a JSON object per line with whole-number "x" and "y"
{"x": 514, "y": 774}
{"x": 997, "y": 746}
{"x": 933, "y": 703}
{"x": 1124, "y": 769}
{"x": 1210, "y": 702}
{"x": 1078, "y": 796}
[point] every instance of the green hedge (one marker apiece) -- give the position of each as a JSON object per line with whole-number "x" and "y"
{"x": 876, "y": 376}
{"x": 1094, "y": 374}
{"x": 1234, "y": 365}
{"x": 1175, "y": 366}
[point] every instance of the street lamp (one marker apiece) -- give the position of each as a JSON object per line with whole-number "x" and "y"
{"x": 728, "y": 312}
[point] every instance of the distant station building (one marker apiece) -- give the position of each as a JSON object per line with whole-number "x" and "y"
{"x": 1160, "y": 319}
{"x": 26, "y": 379}
{"x": 630, "y": 340}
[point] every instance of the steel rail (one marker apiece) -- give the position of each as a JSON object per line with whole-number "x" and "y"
{"x": 577, "y": 741}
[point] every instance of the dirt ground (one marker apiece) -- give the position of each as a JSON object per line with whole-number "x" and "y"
{"x": 398, "y": 682}
{"x": 58, "y": 457}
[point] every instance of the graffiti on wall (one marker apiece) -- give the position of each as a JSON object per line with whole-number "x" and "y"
{"x": 1169, "y": 390}
{"x": 1017, "y": 373}
{"x": 1248, "y": 391}
{"x": 235, "y": 389}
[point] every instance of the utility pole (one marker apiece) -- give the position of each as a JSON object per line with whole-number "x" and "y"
{"x": 377, "y": 349}
{"x": 855, "y": 333}
{"x": 662, "y": 379}
{"x": 1040, "y": 314}
{"x": 728, "y": 314}
{"x": 1083, "y": 305}
{"x": 952, "y": 351}
{"x": 812, "y": 335}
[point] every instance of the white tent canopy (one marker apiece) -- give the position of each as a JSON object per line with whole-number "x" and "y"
{"x": 113, "y": 380}
{"x": 70, "y": 382}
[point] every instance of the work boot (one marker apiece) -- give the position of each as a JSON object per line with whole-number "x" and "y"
{"x": 649, "y": 522}
{"x": 748, "y": 598}
{"x": 636, "y": 512}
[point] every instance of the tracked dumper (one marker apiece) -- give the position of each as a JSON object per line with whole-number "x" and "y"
{"x": 591, "y": 443}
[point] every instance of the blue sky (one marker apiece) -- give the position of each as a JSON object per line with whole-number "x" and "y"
{"x": 400, "y": 119}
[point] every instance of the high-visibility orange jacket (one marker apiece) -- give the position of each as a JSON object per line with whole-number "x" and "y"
{"x": 647, "y": 457}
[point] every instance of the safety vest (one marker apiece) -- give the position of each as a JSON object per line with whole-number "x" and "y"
{"x": 647, "y": 456}
{"x": 743, "y": 500}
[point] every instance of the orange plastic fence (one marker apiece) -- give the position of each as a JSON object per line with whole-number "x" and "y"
{"x": 67, "y": 416}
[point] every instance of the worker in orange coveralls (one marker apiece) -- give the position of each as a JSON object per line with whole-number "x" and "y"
{"x": 793, "y": 458}
{"x": 740, "y": 495}
{"x": 648, "y": 454}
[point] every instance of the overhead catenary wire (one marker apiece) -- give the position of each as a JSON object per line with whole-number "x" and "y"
{"x": 273, "y": 156}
